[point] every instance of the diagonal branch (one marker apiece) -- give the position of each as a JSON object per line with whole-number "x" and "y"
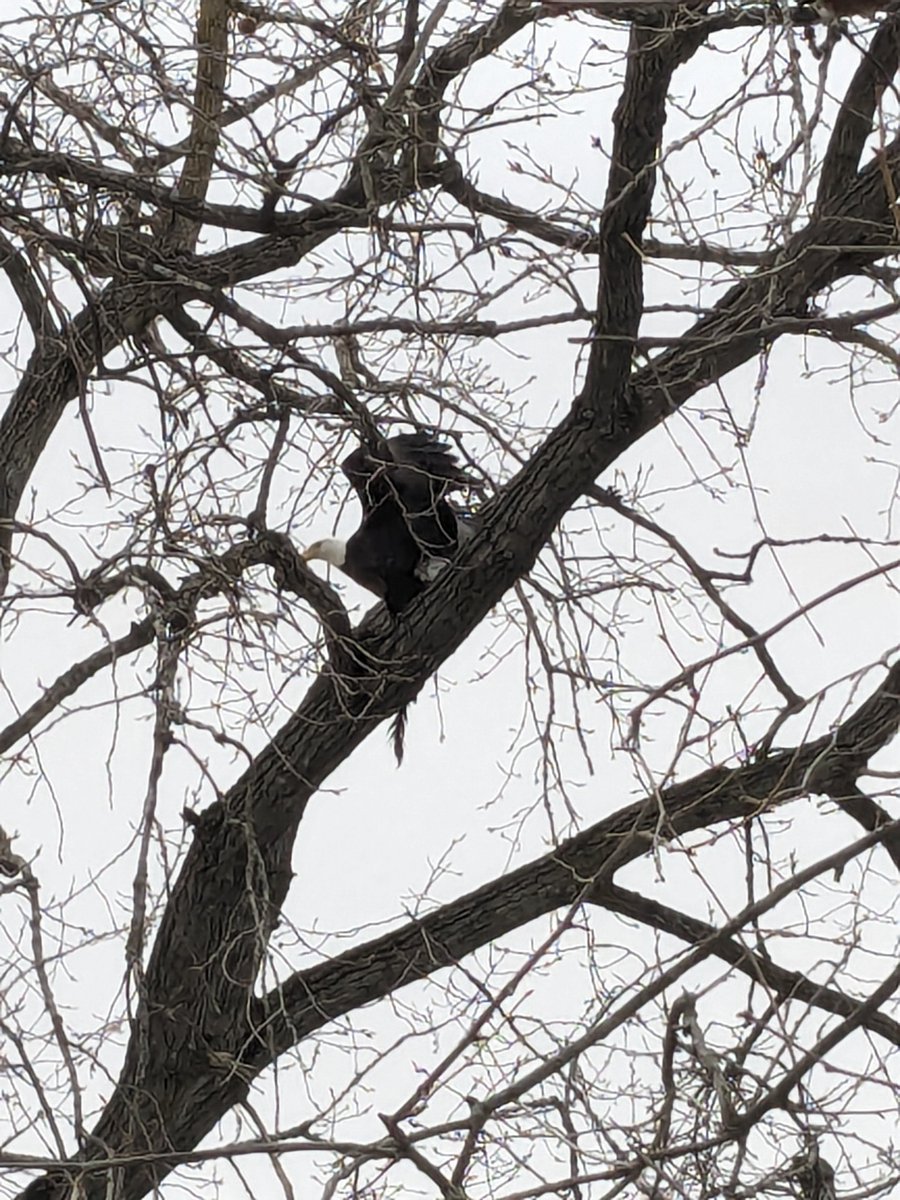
{"x": 569, "y": 873}
{"x": 853, "y": 125}
{"x": 865, "y": 811}
{"x": 156, "y": 279}
{"x": 859, "y": 230}
{"x": 199, "y": 1087}
{"x": 794, "y": 702}
{"x": 777, "y": 1096}
{"x": 67, "y": 684}
{"x": 787, "y": 985}
{"x": 226, "y": 898}
{"x": 265, "y": 806}
{"x": 217, "y": 574}
{"x": 20, "y": 275}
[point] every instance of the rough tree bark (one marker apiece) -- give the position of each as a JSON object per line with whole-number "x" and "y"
{"x": 200, "y": 1037}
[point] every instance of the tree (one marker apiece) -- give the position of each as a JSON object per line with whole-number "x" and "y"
{"x": 237, "y": 241}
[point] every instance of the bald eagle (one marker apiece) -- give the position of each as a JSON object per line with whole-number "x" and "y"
{"x": 409, "y": 530}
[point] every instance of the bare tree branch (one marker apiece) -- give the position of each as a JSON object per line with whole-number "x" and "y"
{"x": 787, "y": 985}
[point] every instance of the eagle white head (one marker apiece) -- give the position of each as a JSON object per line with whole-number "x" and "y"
{"x": 330, "y": 550}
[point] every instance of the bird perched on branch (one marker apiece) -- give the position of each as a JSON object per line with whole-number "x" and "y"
{"x": 409, "y": 530}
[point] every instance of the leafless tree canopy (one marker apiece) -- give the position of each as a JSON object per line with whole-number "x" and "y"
{"x": 624, "y": 923}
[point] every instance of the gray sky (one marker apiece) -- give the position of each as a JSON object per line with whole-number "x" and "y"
{"x": 478, "y": 791}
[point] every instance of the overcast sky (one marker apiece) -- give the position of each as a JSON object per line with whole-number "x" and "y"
{"x": 478, "y": 791}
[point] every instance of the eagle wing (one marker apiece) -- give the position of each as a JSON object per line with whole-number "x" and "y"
{"x": 413, "y": 470}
